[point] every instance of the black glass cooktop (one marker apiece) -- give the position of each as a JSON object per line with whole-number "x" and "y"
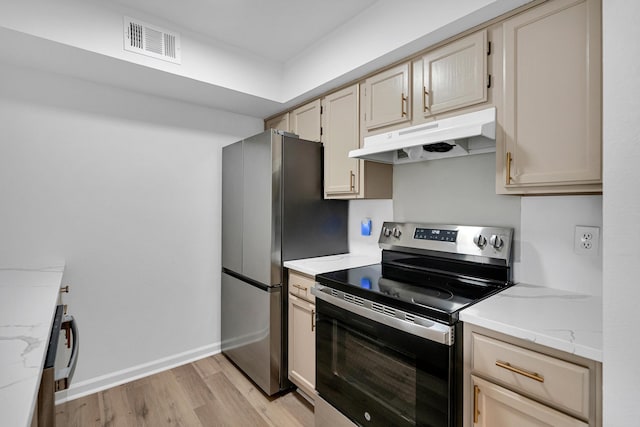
{"x": 436, "y": 296}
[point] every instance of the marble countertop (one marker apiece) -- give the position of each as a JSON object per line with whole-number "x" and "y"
{"x": 324, "y": 264}
{"x": 27, "y": 305}
{"x": 554, "y": 318}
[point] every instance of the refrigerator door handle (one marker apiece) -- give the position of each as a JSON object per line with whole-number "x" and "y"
{"x": 250, "y": 281}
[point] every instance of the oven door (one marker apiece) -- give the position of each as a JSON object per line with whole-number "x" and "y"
{"x": 379, "y": 375}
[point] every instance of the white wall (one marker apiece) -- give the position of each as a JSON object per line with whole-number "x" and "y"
{"x": 621, "y": 291}
{"x": 126, "y": 188}
{"x": 547, "y": 232}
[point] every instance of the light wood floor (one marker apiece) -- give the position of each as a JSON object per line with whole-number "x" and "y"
{"x": 209, "y": 392}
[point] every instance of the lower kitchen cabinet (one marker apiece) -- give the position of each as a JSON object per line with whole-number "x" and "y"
{"x": 496, "y": 406}
{"x": 302, "y": 335}
{"x": 511, "y": 382}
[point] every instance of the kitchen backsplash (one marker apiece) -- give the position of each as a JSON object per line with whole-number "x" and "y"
{"x": 547, "y": 236}
{"x": 376, "y": 210}
{"x": 462, "y": 191}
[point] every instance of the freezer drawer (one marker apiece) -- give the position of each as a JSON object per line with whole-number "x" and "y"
{"x": 252, "y": 330}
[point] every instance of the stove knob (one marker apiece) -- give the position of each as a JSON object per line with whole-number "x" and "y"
{"x": 396, "y": 232}
{"x": 496, "y": 241}
{"x": 386, "y": 232}
{"x": 480, "y": 241}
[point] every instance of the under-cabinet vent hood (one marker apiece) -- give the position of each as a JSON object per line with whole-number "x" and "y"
{"x": 471, "y": 133}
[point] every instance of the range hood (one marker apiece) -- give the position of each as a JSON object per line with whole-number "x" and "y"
{"x": 471, "y": 133}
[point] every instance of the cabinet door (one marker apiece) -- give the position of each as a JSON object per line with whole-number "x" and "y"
{"x": 495, "y": 406}
{"x": 302, "y": 344}
{"x": 340, "y": 134}
{"x": 552, "y": 95}
{"x": 455, "y": 75}
{"x": 280, "y": 122}
{"x": 387, "y": 97}
{"x": 305, "y": 121}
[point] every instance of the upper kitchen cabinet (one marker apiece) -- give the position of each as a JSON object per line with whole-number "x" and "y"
{"x": 280, "y": 122}
{"x": 387, "y": 98}
{"x": 552, "y": 102}
{"x": 452, "y": 76}
{"x": 340, "y": 129}
{"x": 344, "y": 177}
{"x": 305, "y": 121}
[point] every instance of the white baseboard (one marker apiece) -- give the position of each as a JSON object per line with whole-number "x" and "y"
{"x": 94, "y": 385}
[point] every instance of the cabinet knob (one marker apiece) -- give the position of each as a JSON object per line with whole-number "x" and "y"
{"x": 64, "y": 289}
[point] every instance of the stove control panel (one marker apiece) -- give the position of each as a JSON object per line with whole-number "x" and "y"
{"x": 483, "y": 244}
{"x": 436, "y": 234}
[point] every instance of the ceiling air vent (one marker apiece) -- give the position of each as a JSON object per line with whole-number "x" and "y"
{"x": 151, "y": 40}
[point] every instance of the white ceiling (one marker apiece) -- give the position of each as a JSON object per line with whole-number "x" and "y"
{"x": 277, "y": 29}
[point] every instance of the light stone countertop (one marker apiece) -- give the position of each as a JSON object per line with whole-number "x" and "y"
{"x": 554, "y": 318}
{"x": 324, "y": 264}
{"x": 28, "y": 298}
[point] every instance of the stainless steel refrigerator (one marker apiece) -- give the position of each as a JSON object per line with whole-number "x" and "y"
{"x": 272, "y": 211}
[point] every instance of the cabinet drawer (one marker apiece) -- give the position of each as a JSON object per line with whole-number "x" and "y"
{"x": 300, "y": 285}
{"x": 560, "y": 383}
{"x": 495, "y": 406}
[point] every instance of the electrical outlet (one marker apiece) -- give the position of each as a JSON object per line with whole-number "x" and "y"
{"x": 586, "y": 240}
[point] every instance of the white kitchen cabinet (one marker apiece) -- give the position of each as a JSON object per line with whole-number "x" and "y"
{"x": 453, "y": 76}
{"x": 387, "y": 97}
{"x": 511, "y": 382}
{"x": 302, "y": 336}
{"x": 305, "y": 121}
{"x": 280, "y": 122}
{"x": 552, "y": 107}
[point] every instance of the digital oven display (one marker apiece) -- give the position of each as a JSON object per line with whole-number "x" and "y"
{"x": 435, "y": 234}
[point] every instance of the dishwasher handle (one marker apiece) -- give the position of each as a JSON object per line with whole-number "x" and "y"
{"x": 63, "y": 376}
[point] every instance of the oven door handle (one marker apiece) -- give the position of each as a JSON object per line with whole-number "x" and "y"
{"x": 428, "y": 329}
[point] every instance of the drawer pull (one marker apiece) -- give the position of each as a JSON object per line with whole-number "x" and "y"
{"x": 507, "y": 366}
{"x": 302, "y": 288}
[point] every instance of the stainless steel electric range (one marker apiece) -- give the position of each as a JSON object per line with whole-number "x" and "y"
{"x": 388, "y": 340}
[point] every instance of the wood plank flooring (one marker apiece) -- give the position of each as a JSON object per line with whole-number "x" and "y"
{"x": 208, "y": 392}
